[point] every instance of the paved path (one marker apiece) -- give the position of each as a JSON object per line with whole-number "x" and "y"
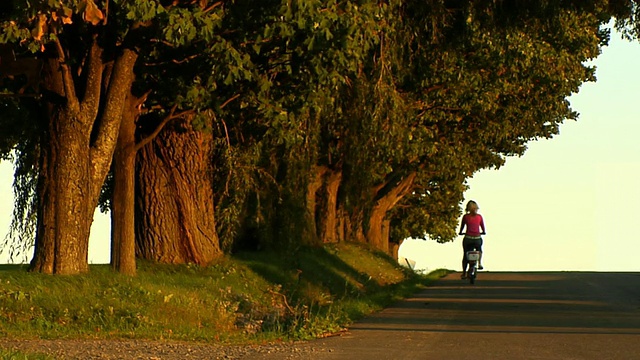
{"x": 504, "y": 316}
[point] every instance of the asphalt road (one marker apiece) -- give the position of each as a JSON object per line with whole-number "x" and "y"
{"x": 504, "y": 316}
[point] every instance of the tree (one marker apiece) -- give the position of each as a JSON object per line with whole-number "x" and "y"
{"x": 450, "y": 90}
{"x": 519, "y": 65}
{"x": 175, "y": 195}
{"x": 89, "y": 52}
{"x": 286, "y": 122}
{"x": 83, "y": 110}
{"x": 303, "y": 53}
{"x": 174, "y": 222}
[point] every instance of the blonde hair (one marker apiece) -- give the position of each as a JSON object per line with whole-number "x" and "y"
{"x": 470, "y": 205}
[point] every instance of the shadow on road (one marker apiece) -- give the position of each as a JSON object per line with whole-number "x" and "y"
{"x": 580, "y": 303}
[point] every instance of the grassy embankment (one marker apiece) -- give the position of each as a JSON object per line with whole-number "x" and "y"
{"x": 251, "y": 297}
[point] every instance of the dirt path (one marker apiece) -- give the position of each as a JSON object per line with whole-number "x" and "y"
{"x": 504, "y": 316}
{"x": 144, "y": 349}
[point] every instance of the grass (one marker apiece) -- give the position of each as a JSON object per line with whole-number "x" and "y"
{"x": 251, "y": 297}
{"x": 18, "y": 355}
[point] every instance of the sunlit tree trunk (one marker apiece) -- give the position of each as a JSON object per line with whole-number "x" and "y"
{"x": 77, "y": 154}
{"x": 64, "y": 216}
{"x": 377, "y": 233}
{"x": 329, "y": 210}
{"x": 394, "y": 247}
{"x": 174, "y": 199}
{"x": 315, "y": 184}
{"x": 350, "y": 226}
{"x": 123, "y": 201}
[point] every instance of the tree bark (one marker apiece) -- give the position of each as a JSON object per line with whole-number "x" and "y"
{"x": 350, "y": 226}
{"x": 328, "y": 216}
{"x": 77, "y": 154}
{"x": 174, "y": 199}
{"x": 315, "y": 183}
{"x": 376, "y": 234}
{"x": 386, "y": 230}
{"x": 64, "y": 219}
{"x": 394, "y": 247}
{"x": 123, "y": 234}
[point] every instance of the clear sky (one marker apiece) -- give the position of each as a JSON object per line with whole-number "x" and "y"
{"x": 567, "y": 204}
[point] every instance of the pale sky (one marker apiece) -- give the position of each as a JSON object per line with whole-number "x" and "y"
{"x": 567, "y": 204}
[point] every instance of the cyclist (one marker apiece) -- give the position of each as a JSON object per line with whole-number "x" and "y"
{"x": 474, "y": 224}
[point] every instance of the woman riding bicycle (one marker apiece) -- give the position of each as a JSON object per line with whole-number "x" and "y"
{"x": 472, "y": 237}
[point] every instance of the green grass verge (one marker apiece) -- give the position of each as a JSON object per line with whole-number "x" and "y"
{"x": 18, "y": 355}
{"x": 250, "y": 297}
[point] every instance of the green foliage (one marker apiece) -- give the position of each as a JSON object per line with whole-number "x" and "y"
{"x": 294, "y": 57}
{"x": 258, "y": 296}
{"x": 627, "y": 18}
{"x": 22, "y": 127}
{"x": 495, "y": 78}
{"x": 373, "y": 90}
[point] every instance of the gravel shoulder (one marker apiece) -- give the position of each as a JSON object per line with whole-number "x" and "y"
{"x": 145, "y": 349}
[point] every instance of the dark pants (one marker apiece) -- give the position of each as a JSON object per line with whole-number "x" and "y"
{"x": 469, "y": 244}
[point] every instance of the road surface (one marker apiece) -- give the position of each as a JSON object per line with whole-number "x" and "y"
{"x": 504, "y": 316}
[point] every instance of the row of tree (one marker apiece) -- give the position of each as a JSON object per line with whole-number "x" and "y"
{"x": 209, "y": 126}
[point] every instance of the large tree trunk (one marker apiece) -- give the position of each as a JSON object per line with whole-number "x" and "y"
{"x": 123, "y": 219}
{"x": 394, "y": 247}
{"x": 174, "y": 199}
{"x": 386, "y": 231}
{"x": 123, "y": 233}
{"x": 77, "y": 155}
{"x": 377, "y": 235}
{"x": 350, "y": 226}
{"x": 64, "y": 216}
{"x": 375, "y": 231}
{"x": 315, "y": 183}
{"x": 328, "y": 216}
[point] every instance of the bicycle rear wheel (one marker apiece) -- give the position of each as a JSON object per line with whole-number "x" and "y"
{"x": 472, "y": 275}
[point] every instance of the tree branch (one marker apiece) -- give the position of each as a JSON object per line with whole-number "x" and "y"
{"x": 433, "y": 88}
{"x": 212, "y": 6}
{"x": 396, "y": 191}
{"x": 174, "y": 61}
{"x": 393, "y": 177}
{"x": 67, "y": 78}
{"x": 91, "y": 103}
{"x": 226, "y": 132}
{"x": 172, "y": 115}
{"x": 106, "y": 12}
{"x": 224, "y": 124}
{"x": 229, "y": 100}
{"x": 142, "y": 99}
{"x": 109, "y": 125}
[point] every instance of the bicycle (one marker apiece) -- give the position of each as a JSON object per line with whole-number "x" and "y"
{"x": 472, "y": 259}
